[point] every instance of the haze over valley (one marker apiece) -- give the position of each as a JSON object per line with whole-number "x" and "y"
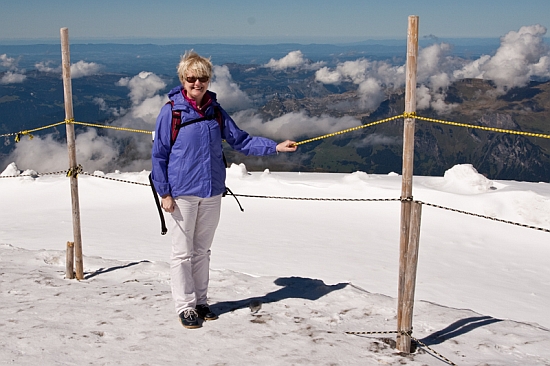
{"x": 294, "y": 91}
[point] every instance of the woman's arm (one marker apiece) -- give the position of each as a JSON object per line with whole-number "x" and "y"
{"x": 243, "y": 142}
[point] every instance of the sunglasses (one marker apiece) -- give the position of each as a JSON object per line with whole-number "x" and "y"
{"x": 192, "y": 79}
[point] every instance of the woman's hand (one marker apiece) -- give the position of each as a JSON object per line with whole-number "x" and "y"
{"x": 168, "y": 204}
{"x": 287, "y": 146}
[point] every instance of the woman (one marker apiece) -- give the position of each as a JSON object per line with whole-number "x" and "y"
{"x": 189, "y": 175}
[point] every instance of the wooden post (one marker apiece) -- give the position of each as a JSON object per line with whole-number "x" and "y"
{"x": 406, "y": 186}
{"x": 69, "y": 116}
{"x": 407, "y": 305}
{"x": 69, "y": 265}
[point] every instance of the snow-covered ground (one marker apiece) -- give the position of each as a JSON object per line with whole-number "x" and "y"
{"x": 318, "y": 268}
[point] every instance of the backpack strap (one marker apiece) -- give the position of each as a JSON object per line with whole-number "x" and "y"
{"x": 163, "y": 229}
{"x": 176, "y": 120}
{"x": 177, "y": 124}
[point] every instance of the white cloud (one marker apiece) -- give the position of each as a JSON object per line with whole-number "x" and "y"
{"x": 423, "y": 97}
{"x": 230, "y": 96}
{"x": 293, "y": 60}
{"x": 142, "y": 86}
{"x": 521, "y": 56}
{"x": 147, "y": 110}
{"x": 103, "y": 152}
{"x": 78, "y": 70}
{"x": 110, "y": 110}
{"x": 83, "y": 68}
{"x": 439, "y": 81}
{"x": 375, "y": 78}
{"x": 371, "y": 77}
{"x": 541, "y": 68}
{"x": 44, "y": 66}
{"x": 355, "y": 71}
{"x": 101, "y": 103}
{"x": 371, "y": 93}
{"x": 7, "y": 62}
{"x": 435, "y": 74}
{"x": 325, "y": 76}
{"x": 351, "y": 71}
{"x": 12, "y": 78}
{"x": 13, "y": 75}
{"x": 427, "y": 98}
{"x": 92, "y": 152}
{"x": 434, "y": 60}
{"x": 439, "y": 105}
{"x": 146, "y": 101}
{"x": 292, "y": 125}
{"x": 377, "y": 139}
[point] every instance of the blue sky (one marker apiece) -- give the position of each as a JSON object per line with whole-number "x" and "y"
{"x": 266, "y": 21}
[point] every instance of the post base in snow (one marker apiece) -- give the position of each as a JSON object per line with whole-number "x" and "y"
{"x": 69, "y": 267}
{"x": 403, "y": 343}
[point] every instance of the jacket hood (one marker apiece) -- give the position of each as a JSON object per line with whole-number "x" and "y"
{"x": 181, "y": 103}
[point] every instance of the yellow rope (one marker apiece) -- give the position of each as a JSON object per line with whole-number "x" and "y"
{"x": 492, "y": 129}
{"x": 404, "y": 115}
{"x": 110, "y": 127}
{"x": 28, "y": 132}
{"x": 67, "y": 121}
{"x": 73, "y": 172}
{"x": 433, "y": 120}
{"x": 349, "y": 130}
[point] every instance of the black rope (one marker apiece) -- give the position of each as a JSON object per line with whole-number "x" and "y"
{"x": 230, "y": 192}
{"x": 409, "y": 334}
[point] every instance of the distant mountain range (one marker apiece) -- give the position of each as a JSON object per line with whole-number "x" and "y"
{"x": 439, "y": 146}
{"x": 161, "y": 58}
{"x": 39, "y": 101}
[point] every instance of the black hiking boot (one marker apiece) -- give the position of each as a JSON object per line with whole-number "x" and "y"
{"x": 189, "y": 319}
{"x": 205, "y": 313}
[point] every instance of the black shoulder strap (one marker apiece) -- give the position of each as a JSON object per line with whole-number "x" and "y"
{"x": 177, "y": 124}
{"x": 187, "y": 123}
{"x": 163, "y": 229}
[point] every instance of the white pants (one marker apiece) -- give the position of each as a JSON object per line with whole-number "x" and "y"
{"x": 194, "y": 223}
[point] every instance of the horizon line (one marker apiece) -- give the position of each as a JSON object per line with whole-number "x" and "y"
{"x": 336, "y": 41}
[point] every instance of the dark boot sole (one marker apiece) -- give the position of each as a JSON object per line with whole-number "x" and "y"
{"x": 209, "y": 319}
{"x": 191, "y": 326}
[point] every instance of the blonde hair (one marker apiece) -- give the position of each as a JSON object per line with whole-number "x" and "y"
{"x": 193, "y": 62}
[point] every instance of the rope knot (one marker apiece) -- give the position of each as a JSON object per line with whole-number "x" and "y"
{"x": 21, "y": 133}
{"x": 409, "y": 114}
{"x": 73, "y": 172}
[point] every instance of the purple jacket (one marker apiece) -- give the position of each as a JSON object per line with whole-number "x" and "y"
{"x": 194, "y": 165}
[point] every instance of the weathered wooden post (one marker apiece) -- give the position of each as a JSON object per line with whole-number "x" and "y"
{"x": 69, "y": 117}
{"x": 69, "y": 262}
{"x": 411, "y": 265}
{"x": 403, "y": 340}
